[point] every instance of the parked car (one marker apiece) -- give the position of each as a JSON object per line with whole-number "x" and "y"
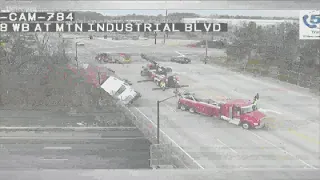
{"x": 181, "y": 60}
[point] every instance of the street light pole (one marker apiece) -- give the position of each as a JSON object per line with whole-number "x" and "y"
{"x": 158, "y": 115}
{"x": 158, "y": 122}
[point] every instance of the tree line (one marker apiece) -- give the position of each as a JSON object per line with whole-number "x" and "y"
{"x": 172, "y": 17}
{"x": 276, "y": 47}
{"x": 34, "y": 74}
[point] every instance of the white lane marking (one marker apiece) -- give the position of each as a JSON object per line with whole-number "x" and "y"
{"x": 302, "y": 161}
{"x": 57, "y": 148}
{"x": 179, "y": 53}
{"x": 269, "y": 110}
{"x": 53, "y": 159}
{"x": 199, "y": 165}
{"x": 172, "y": 109}
{"x": 227, "y": 146}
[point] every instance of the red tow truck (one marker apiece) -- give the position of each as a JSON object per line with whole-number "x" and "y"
{"x": 146, "y": 70}
{"x": 239, "y": 111}
{"x": 162, "y": 76}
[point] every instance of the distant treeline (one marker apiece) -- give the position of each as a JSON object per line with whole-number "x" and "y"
{"x": 172, "y": 17}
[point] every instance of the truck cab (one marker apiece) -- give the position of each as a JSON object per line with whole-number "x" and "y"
{"x": 243, "y": 113}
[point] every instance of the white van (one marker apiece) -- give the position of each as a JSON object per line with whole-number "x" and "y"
{"x": 120, "y": 90}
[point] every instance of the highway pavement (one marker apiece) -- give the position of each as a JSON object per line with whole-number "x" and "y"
{"x": 34, "y": 118}
{"x": 292, "y": 143}
{"x": 73, "y": 150}
{"x": 34, "y": 139}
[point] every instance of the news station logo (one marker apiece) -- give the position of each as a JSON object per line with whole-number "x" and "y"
{"x": 309, "y": 24}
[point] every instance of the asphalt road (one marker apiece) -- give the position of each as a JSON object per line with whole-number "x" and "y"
{"x": 28, "y": 118}
{"x": 84, "y": 144}
{"x": 293, "y": 142}
{"x": 73, "y": 150}
{"x": 176, "y": 174}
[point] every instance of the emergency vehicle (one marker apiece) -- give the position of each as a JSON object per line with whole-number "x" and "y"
{"x": 238, "y": 111}
{"x": 120, "y": 58}
{"x": 148, "y": 69}
{"x": 162, "y": 76}
{"x": 165, "y": 79}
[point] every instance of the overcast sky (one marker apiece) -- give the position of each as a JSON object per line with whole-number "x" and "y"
{"x": 281, "y": 8}
{"x": 266, "y": 13}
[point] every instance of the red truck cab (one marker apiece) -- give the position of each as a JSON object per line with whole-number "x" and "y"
{"x": 239, "y": 111}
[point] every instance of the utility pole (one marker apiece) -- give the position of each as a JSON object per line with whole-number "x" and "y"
{"x": 155, "y": 37}
{"x": 158, "y": 122}
{"x": 76, "y": 58}
{"x": 167, "y": 21}
{"x": 100, "y": 92}
{"x": 207, "y": 45}
{"x": 165, "y": 33}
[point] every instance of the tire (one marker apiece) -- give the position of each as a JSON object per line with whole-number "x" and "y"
{"x": 192, "y": 110}
{"x": 183, "y": 107}
{"x": 245, "y": 126}
{"x": 179, "y": 106}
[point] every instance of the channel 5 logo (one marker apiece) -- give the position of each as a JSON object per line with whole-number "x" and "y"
{"x": 311, "y": 20}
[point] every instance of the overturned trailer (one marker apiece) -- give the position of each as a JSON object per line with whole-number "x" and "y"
{"x": 120, "y": 90}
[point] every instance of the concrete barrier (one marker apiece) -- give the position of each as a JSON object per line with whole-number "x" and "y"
{"x": 179, "y": 157}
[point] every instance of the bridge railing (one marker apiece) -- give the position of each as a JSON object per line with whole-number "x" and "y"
{"x": 170, "y": 149}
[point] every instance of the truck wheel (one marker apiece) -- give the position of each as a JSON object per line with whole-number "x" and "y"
{"x": 245, "y": 126}
{"x": 183, "y": 107}
{"x": 179, "y": 106}
{"x": 192, "y": 110}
